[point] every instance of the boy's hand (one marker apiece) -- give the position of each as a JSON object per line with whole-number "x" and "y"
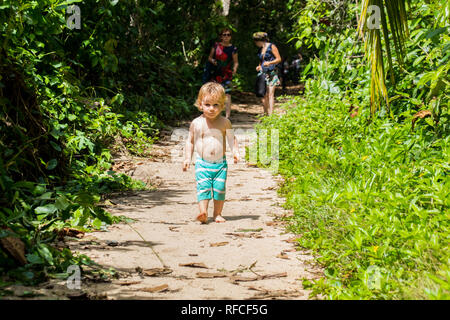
{"x": 186, "y": 164}
{"x": 236, "y": 157}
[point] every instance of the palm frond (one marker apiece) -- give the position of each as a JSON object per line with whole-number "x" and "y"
{"x": 392, "y": 26}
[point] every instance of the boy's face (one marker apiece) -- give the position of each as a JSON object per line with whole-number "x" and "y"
{"x": 211, "y": 108}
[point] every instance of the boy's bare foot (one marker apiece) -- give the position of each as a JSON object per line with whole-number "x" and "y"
{"x": 219, "y": 219}
{"x": 202, "y": 217}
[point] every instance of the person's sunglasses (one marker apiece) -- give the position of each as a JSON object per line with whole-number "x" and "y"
{"x": 226, "y": 34}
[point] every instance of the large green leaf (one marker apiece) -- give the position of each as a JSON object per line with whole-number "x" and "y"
{"x": 46, "y": 210}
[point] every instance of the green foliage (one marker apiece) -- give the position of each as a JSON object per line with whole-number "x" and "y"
{"x": 424, "y": 80}
{"x": 370, "y": 195}
{"x": 67, "y": 96}
{"x": 316, "y": 19}
{"x": 370, "y": 199}
{"x": 246, "y": 17}
{"x": 339, "y": 62}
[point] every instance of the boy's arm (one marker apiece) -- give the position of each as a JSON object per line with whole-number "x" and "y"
{"x": 189, "y": 148}
{"x": 232, "y": 141}
{"x": 236, "y": 148}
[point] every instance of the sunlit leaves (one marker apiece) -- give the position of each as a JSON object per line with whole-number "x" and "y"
{"x": 371, "y": 200}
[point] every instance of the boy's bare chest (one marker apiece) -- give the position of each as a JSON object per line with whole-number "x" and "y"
{"x": 204, "y": 131}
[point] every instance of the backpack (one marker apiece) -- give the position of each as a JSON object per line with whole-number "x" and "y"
{"x": 209, "y": 69}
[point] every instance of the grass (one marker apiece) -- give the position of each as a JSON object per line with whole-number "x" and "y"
{"x": 371, "y": 199}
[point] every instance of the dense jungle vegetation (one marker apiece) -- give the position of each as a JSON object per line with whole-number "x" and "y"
{"x": 366, "y": 169}
{"x": 368, "y": 180}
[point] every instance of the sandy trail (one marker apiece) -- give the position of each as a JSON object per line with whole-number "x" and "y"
{"x": 248, "y": 257}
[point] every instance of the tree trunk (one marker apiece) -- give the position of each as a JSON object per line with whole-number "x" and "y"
{"x": 226, "y": 7}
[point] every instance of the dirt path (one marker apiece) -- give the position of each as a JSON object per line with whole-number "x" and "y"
{"x": 249, "y": 257}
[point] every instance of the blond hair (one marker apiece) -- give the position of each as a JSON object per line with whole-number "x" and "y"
{"x": 211, "y": 90}
{"x": 260, "y": 36}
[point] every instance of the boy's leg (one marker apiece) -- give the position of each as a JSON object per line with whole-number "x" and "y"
{"x": 204, "y": 188}
{"x": 218, "y": 207}
{"x": 203, "y": 208}
{"x": 219, "y": 186}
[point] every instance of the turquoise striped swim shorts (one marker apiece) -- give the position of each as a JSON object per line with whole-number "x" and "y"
{"x": 211, "y": 178}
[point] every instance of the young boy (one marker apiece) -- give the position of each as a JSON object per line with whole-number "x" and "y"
{"x": 208, "y": 133}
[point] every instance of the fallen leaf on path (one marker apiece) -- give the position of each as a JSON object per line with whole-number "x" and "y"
{"x": 264, "y": 199}
{"x": 242, "y": 235}
{"x": 249, "y": 230}
{"x": 193, "y": 265}
{"x": 272, "y": 276}
{"x": 69, "y": 232}
{"x": 209, "y": 275}
{"x": 236, "y": 279}
{"x": 112, "y": 243}
{"x": 240, "y": 278}
{"x": 183, "y": 277}
{"x": 245, "y": 235}
{"x": 193, "y": 255}
{"x": 282, "y": 255}
{"x": 160, "y": 288}
{"x": 256, "y": 289}
{"x": 174, "y": 229}
{"x": 292, "y": 240}
{"x": 156, "y": 272}
{"x": 218, "y": 244}
{"x": 127, "y": 283}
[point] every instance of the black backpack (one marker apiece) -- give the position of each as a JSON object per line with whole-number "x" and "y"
{"x": 210, "y": 69}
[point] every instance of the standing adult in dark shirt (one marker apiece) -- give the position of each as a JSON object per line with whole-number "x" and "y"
{"x": 284, "y": 73}
{"x": 269, "y": 58}
{"x": 225, "y": 57}
{"x": 296, "y": 65}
